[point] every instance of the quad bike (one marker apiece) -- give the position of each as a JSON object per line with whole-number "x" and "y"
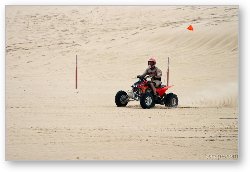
{"x": 142, "y": 92}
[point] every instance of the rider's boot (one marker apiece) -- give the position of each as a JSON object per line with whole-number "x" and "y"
{"x": 157, "y": 98}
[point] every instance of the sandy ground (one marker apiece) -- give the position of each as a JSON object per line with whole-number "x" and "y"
{"x": 48, "y": 119}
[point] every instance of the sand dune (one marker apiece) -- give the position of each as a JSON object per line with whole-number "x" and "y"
{"x": 46, "y": 118}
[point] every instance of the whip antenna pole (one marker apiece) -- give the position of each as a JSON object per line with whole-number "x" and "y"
{"x": 168, "y": 73}
{"x": 76, "y": 71}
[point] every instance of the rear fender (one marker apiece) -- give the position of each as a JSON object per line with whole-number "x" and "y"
{"x": 162, "y": 90}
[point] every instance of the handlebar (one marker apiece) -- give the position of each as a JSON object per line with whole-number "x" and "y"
{"x": 140, "y": 77}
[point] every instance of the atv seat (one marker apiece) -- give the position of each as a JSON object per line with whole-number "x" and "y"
{"x": 160, "y": 86}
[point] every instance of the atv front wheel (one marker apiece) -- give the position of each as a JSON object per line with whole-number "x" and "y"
{"x": 121, "y": 99}
{"x": 147, "y": 101}
{"x": 171, "y": 100}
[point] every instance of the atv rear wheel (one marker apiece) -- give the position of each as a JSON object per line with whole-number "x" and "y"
{"x": 171, "y": 100}
{"x": 147, "y": 101}
{"x": 121, "y": 99}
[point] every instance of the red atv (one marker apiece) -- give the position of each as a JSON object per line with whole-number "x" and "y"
{"x": 142, "y": 92}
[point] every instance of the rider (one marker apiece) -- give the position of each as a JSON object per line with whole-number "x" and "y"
{"x": 155, "y": 74}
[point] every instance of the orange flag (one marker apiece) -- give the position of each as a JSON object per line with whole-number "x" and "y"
{"x": 190, "y": 27}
